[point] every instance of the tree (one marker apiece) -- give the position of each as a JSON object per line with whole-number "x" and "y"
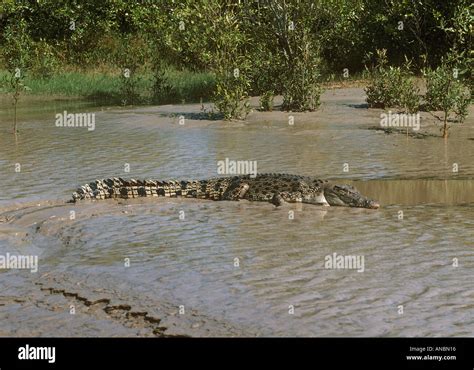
{"x": 17, "y": 49}
{"x": 447, "y": 93}
{"x": 284, "y": 30}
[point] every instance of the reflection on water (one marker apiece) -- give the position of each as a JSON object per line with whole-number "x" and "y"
{"x": 408, "y": 261}
{"x": 415, "y": 192}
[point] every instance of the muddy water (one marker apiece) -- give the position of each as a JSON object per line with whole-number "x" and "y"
{"x": 420, "y": 258}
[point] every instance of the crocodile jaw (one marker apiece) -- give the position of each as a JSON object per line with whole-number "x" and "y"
{"x": 348, "y": 196}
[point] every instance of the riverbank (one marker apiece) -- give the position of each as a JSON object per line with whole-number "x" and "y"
{"x": 106, "y": 87}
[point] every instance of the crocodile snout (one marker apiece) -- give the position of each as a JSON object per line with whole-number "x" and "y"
{"x": 373, "y": 204}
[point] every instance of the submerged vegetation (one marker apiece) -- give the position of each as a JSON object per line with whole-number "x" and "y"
{"x": 161, "y": 52}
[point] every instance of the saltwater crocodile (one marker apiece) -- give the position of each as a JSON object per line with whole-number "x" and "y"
{"x": 273, "y": 188}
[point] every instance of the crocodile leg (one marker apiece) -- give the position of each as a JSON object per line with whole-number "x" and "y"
{"x": 242, "y": 190}
{"x": 286, "y": 197}
{"x": 277, "y": 200}
{"x": 236, "y": 191}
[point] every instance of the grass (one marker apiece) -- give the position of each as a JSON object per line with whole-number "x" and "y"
{"x": 187, "y": 86}
{"x": 191, "y": 86}
{"x": 105, "y": 85}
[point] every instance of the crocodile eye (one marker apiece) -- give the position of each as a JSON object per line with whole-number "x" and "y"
{"x": 351, "y": 190}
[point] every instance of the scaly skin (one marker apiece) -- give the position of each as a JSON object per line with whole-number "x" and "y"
{"x": 274, "y": 188}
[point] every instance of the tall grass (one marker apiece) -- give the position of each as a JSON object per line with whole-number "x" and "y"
{"x": 186, "y": 86}
{"x": 191, "y": 86}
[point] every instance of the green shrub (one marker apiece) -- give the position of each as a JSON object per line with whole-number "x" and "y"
{"x": 129, "y": 59}
{"x": 44, "y": 60}
{"x": 301, "y": 89}
{"x": 162, "y": 91}
{"x": 265, "y": 79}
{"x": 17, "y": 48}
{"x": 392, "y": 87}
{"x": 266, "y": 101}
{"x": 446, "y": 93}
{"x": 15, "y": 85}
{"x": 128, "y": 91}
{"x": 231, "y": 97}
{"x": 301, "y": 85}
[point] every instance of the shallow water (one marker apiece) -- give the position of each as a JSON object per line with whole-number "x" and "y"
{"x": 281, "y": 261}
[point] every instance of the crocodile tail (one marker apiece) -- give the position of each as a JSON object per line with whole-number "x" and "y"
{"x": 123, "y": 188}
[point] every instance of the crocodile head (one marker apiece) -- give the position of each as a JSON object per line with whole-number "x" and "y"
{"x": 347, "y": 196}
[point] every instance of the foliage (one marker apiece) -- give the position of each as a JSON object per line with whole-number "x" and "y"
{"x": 447, "y": 93}
{"x": 266, "y": 101}
{"x": 86, "y": 32}
{"x": 162, "y": 90}
{"x": 231, "y": 98}
{"x": 279, "y": 46}
{"x": 16, "y": 54}
{"x": 392, "y": 87}
{"x": 16, "y": 45}
{"x": 128, "y": 59}
{"x": 285, "y": 29}
{"x": 14, "y": 84}
{"x": 44, "y": 62}
{"x": 104, "y": 87}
